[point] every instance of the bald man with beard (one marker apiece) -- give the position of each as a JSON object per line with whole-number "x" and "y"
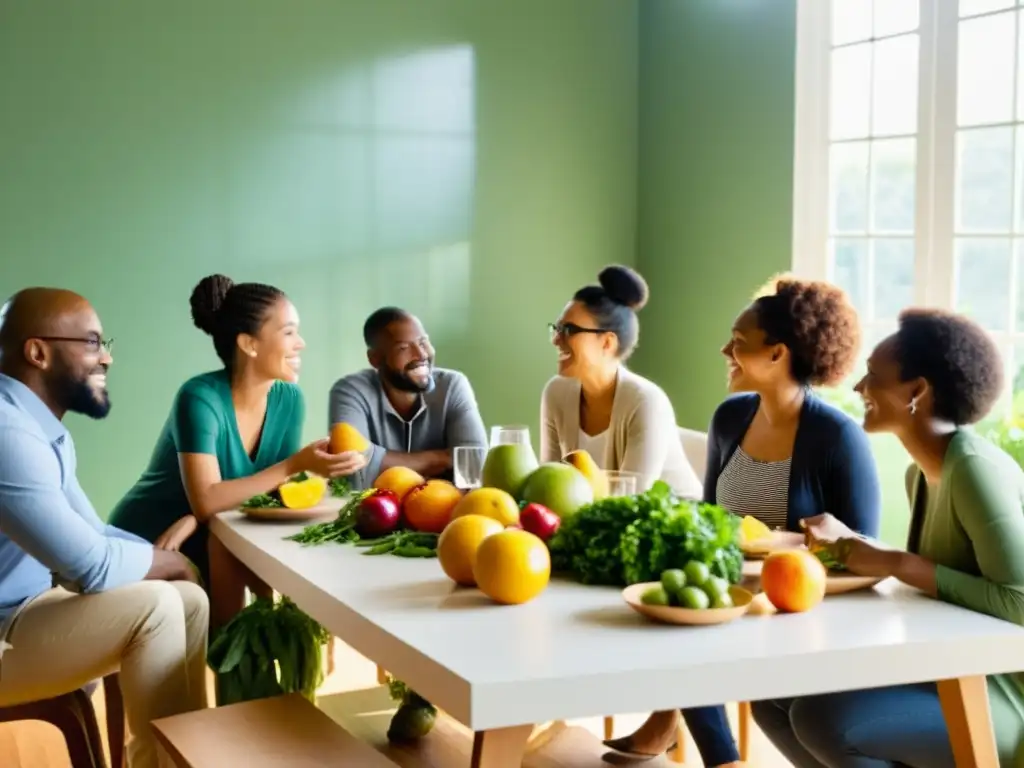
{"x": 80, "y": 599}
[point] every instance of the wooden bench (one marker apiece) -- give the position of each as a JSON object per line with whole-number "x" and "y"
{"x": 280, "y": 732}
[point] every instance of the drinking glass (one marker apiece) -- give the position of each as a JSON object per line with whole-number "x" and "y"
{"x": 622, "y": 483}
{"x": 513, "y": 434}
{"x": 469, "y": 466}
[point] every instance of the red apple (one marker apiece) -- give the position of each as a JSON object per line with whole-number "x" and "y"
{"x": 539, "y": 520}
{"x": 378, "y": 514}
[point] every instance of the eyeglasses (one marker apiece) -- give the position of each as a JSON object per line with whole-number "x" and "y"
{"x": 92, "y": 343}
{"x": 571, "y": 329}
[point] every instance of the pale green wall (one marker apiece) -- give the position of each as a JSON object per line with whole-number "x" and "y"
{"x": 473, "y": 164}
{"x": 715, "y": 180}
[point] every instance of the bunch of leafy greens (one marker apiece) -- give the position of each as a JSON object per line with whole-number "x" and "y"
{"x": 268, "y": 649}
{"x": 624, "y": 540}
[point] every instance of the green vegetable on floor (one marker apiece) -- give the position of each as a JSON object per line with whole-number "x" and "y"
{"x": 415, "y": 716}
{"x": 624, "y": 540}
{"x": 267, "y": 649}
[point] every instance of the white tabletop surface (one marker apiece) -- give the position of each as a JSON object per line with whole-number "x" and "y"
{"x": 580, "y": 651}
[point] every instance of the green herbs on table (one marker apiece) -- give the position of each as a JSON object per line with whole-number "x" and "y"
{"x": 336, "y": 486}
{"x": 268, "y": 649}
{"x": 342, "y": 530}
{"x": 624, "y": 540}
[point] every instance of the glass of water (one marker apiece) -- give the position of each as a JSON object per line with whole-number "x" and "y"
{"x": 621, "y": 483}
{"x": 469, "y": 466}
{"x": 513, "y": 434}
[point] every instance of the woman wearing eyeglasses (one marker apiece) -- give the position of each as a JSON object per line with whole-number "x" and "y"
{"x": 624, "y": 421}
{"x": 232, "y": 433}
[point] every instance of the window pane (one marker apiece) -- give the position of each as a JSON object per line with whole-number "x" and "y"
{"x": 848, "y": 171}
{"x": 892, "y": 185}
{"x": 984, "y": 190}
{"x": 1019, "y": 248}
{"x": 983, "y": 280}
{"x": 893, "y": 279}
{"x": 986, "y": 69}
{"x": 972, "y": 7}
{"x": 894, "y": 103}
{"x": 895, "y": 16}
{"x": 1020, "y": 67}
{"x": 851, "y": 91}
{"x": 851, "y": 21}
{"x": 850, "y": 269}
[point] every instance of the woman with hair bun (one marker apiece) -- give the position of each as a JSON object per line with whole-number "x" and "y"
{"x": 624, "y": 421}
{"x": 232, "y": 433}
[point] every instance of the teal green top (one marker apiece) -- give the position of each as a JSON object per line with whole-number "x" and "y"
{"x": 202, "y": 420}
{"x": 972, "y": 528}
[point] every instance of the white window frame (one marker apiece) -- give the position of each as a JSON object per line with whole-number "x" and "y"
{"x": 936, "y": 148}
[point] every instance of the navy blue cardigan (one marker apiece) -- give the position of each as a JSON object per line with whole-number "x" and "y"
{"x": 832, "y": 469}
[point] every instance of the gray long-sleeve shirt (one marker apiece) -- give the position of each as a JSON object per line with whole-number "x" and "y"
{"x": 447, "y": 417}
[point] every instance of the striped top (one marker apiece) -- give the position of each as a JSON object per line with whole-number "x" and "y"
{"x": 756, "y": 488}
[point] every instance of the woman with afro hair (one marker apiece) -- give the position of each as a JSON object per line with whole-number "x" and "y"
{"x": 778, "y": 452}
{"x": 937, "y": 374}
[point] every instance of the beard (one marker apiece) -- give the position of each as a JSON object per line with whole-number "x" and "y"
{"x": 76, "y": 395}
{"x": 401, "y": 381}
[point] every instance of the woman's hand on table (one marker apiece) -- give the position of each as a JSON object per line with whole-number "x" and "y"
{"x": 179, "y": 532}
{"x": 824, "y": 529}
{"x": 857, "y": 554}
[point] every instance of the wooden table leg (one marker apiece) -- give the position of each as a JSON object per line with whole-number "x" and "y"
{"x": 965, "y": 707}
{"x": 500, "y": 747}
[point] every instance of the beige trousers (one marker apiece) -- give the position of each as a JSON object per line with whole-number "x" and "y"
{"x": 153, "y": 632}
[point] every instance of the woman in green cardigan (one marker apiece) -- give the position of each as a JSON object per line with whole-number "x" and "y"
{"x": 936, "y": 374}
{"x": 232, "y": 433}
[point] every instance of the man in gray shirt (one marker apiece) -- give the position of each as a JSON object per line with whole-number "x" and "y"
{"x": 412, "y": 413}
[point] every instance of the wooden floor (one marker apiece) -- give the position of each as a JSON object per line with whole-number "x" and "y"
{"x": 37, "y": 745}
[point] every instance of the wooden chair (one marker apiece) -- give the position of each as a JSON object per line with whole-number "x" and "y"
{"x": 277, "y": 732}
{"x": 73, "y": 714}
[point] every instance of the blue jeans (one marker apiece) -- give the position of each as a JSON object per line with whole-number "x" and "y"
{"x": 709, "y": 727}
{"x": 897, "y": 727}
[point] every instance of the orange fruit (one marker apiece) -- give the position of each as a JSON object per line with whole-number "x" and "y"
{"x": 793, "y": 580}
{"x": 458, "y": 543}
{"x": 512, "y": 567}
{"x": 489, "y": 502}
{"x": 345, "y": 437}
{"x": 428, "y": 507}
{"x": 398, "y": 480}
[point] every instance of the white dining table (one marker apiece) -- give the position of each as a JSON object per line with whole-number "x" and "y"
{"x": 578, "y": 651}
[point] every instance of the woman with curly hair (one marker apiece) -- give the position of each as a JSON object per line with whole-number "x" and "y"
{"x": 938, "y": 373}
{"x": 778, "y": 452}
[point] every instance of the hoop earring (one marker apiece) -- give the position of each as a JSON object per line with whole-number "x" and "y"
{"x": 913, "y": 407}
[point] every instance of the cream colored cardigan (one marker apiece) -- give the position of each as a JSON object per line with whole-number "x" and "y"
{"x": 644, "y": 437}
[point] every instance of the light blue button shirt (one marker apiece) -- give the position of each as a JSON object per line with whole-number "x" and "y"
{"x": 49, "y": 532}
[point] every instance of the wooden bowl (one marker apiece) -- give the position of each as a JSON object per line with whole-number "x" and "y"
{"x": 776, "y": 542}
{"x": 668, "y": 614}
